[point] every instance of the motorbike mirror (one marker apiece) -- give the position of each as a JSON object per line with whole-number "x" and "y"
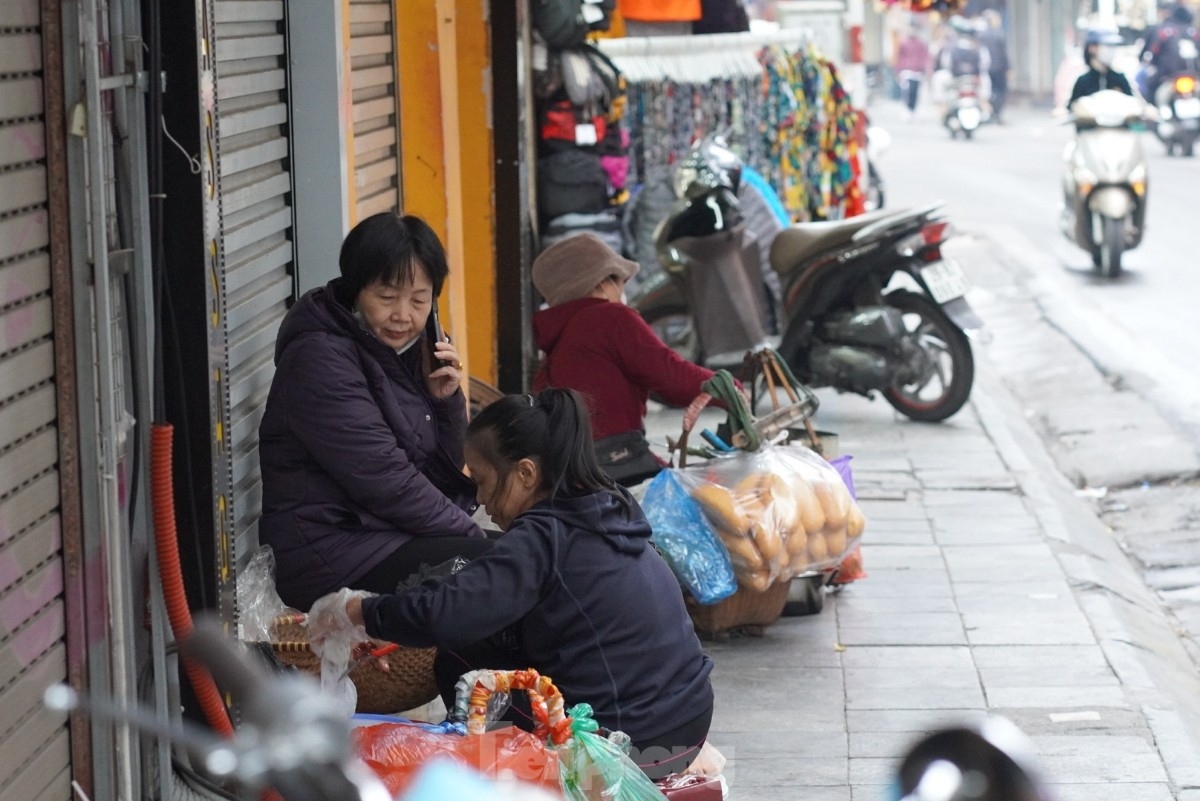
{"x": 670, "y": 257}
{"x": 991, "y": 762}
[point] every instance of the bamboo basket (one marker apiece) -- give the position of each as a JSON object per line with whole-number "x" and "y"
{"x": 407, "y": 684}
{"x": 744, "y": 612}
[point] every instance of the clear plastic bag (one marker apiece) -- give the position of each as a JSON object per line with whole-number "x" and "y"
{"x": 687, "y": 541}
{"x": 780, "y": 511}
{"x": 258, "y": 602}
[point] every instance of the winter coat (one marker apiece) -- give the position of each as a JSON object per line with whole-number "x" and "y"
{"x": 1094, "y": 81}
{"x": 357, "y": 457}
{"x": 913, "y": 55}
{"x": 593, "y": 604}
{"x": 608, "y": 353}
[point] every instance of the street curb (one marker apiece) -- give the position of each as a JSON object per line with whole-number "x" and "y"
{"x": 1134, "y": 631}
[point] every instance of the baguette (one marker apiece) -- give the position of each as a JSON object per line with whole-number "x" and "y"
{"x": 721, "y": 509}
{"x": 835, "y": 501}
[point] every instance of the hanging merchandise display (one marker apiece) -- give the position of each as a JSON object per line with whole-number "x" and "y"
{"x": 775, "y": 99}
{"x": 944, "y": 6}
{"x": 583, "y": 148}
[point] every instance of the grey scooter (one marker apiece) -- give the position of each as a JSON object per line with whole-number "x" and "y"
{"x": 1105, "y": 180}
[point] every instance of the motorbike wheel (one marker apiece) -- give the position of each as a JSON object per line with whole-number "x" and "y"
{"x": 874, "y": 199}
{"x": 948, "y": 368}
{"x": 674, "y": 326}
{"x": 1109, "y": 263}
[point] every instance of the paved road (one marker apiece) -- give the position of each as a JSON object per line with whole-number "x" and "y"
{"x": 1105, "y": 371}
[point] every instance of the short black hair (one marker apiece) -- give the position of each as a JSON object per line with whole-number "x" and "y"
{"x": 387, "y": 247}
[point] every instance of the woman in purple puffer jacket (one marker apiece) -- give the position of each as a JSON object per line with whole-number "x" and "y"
{"x": 361, "y": 442}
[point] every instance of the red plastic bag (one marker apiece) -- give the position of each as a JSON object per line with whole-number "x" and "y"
{"x": 396, "y": 751}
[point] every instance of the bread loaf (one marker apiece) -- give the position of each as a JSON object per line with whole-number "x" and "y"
{"x": 835, "y": 541}
{"x": 855, "y": 522}
{"x": 743, "y": 552}
{"x": 835, "y": 501}
{"x": 721, "y": 509}
{"x": 808, "y": 508}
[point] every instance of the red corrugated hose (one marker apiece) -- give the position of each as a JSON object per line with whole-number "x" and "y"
{"x": 167, "y": 546}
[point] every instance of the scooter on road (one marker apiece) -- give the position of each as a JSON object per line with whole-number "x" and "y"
{"x": 1105, "y": 180}
{"x": 1178, "y": 104}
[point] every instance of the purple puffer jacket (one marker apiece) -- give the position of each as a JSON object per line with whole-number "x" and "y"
{"x": 357, "y": 457}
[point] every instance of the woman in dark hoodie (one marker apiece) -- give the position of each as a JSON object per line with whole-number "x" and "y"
{"x": 575, "y": 586}
{"x": 361, "y": 442}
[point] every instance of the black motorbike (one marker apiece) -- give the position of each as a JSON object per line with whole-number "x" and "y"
{"x": 865, "y": 305}
{"x": 1178, "y": 124}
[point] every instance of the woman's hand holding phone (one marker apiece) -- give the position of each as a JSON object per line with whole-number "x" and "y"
{"x": 444, "y": 368}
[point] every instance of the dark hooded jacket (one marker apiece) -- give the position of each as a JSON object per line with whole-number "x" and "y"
{"x": 357, "y": 457}
{"x": 595, "y": 608}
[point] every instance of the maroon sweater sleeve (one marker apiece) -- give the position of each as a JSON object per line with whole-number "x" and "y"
{"x": 651, "y": 364}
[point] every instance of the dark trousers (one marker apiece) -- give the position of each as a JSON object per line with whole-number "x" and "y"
{"x": 912, "y": 89}
{"x": 658, "y": 756}
{"x": 999, "y": 92}
{"x": 415, "y": 554}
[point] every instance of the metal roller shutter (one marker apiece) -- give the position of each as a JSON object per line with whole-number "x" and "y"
{"x": 254, "y": 257}
{"x": 373, "y": 81}
{"x": 35, "y": 764}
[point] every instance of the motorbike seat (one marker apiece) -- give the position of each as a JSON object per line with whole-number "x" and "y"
{"x": 794, "y": 245}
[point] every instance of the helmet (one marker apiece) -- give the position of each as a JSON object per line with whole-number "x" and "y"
{"x": 962, "y": 26}
{"x": 1181, "y": 15}
{"x": 1101, "y": 36}
{"x": 710, "y": 164}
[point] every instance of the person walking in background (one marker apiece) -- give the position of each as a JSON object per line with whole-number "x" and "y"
{"x": 993, "y": 38}
{"x": 912, "y": 65}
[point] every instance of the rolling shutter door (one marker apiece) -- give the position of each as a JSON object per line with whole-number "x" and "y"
{"x": 35, "y": 764}
{"x": 373, "y": 83}
{"x": 255, "y": 263}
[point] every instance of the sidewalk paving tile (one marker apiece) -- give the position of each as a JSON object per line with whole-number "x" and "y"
{"x": 990, "y": 563}
{"x": 1099, "y": 759}
{"x": 927, "y": 697}
{"x": 1124, "y": 791}
{"x": 911, "y": 720}
{"x": 1043, "y": 665}
{"x": 1065, "y": 698}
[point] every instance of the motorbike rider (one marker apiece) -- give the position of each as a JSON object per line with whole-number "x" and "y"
{"x": 963, "y": 56}
{"x": 1172, "y": 50}
{"x": 1099, "y": 49}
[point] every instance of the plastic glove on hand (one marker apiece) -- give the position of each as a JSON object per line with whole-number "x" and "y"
{"x": 328, "y": 622}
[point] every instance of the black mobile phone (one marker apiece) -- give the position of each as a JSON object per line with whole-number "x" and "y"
{"x": 434, "y": 333}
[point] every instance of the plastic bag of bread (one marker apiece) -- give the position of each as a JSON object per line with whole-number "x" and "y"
{"x": 687, "y": 541}
{"x": 780, "y": 511}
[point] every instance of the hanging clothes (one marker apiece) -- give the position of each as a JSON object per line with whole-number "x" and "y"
{"x": 659, "y": 10}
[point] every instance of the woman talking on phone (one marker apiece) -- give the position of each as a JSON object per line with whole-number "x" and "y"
{"x": 361, "y": 442}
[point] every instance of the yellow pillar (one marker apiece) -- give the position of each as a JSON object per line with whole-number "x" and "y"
{"x": 444, "y": 79}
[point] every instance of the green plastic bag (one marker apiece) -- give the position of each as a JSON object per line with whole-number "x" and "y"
{"x": 597, "y": 768}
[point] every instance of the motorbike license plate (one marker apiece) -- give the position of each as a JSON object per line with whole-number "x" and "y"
{"x": 946, "y": 280}
{"x": 1187, "y": 108}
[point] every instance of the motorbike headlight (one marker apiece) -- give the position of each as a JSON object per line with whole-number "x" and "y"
{"x": 1085, "y": 179}
{"x": 1137, "y": 179}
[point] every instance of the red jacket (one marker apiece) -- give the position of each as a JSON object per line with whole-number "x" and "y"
{"x": 605, "y": 351}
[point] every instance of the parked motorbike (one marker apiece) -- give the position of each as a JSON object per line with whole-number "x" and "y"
{"x": 868, "y": 303}
{"x": 1105, "y": 180}
{"x": 1179, "y": 114}
{"x": 964, "y": 114}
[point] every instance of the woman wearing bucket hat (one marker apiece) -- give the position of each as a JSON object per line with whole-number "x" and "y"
{"x": 598, "y": 346}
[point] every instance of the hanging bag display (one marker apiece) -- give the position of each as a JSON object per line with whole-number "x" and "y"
{"x": 566, "y": 23}
{"x": 571, "y": 180}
